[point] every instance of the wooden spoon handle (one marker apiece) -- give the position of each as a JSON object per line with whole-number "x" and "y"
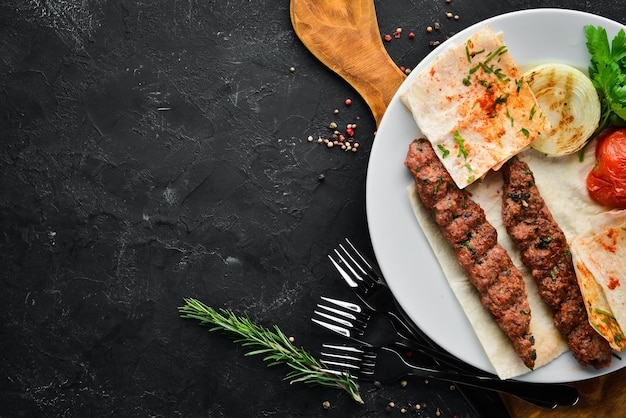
{"x": 344, "y": 36}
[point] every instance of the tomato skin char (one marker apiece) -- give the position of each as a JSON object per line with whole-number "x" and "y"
{"x": 606, "y": 182}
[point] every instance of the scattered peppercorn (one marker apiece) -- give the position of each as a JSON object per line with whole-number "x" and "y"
{"x": 403, "y": 383}
{"x": 336, "y": 112}
{"x": 429, "y": 29}
{"x": 321, "y": 177}
{"x": 377, "y": 384}
{"x": 310, "y": 138}
{"x": 348, "y": 102}
{"x": 333, "y": 125}
{"x": 456, "y": 17}
{"x": 403, "y": 410}
{"x": 411, "y": 35}
{"x": 448, "y": 15}
{"x": 292, "y": 69}
{"x": 387, "y": 38}
{"x": 326, "y": 405}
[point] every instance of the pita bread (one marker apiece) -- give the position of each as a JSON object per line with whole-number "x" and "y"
{"x": 474, "y": 107}
{"x": 600, "y": 262}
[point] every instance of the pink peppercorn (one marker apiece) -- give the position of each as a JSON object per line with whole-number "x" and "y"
{"x": 387, "y": 38}
{"x": 348, "y": 102}
{"x": 411, "y": 35}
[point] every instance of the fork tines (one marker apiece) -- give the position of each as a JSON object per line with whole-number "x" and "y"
{"x": 345, "y": 318}
{"x": 359, "y": 361}
{"x": 353, "y": 266}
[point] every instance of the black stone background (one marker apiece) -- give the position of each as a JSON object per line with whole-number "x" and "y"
{"x": 156, "y": 150}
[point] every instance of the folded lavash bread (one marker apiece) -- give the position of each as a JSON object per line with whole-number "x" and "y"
{"x": 474, "y": 108}
{"x": 599, "y": 257}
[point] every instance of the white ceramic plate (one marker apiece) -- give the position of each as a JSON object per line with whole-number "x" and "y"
{"x": 402, "y": 251}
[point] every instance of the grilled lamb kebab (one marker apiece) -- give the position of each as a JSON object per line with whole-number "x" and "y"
{"x": 485, "y": 262}
{"x": 544, "y": 250}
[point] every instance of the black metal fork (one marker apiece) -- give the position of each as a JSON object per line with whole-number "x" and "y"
{"x": 386, "y": 365}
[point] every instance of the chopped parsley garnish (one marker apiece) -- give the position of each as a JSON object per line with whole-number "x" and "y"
{"x": 500, "y": 51}
{"x": 525, "y": 132}
{"x": 444, "y": 151}
{"x": 501, "y": 76}
{"x": 508, "y": 115}
{"x": 500, "y": 100}
{"x": 438, "y": 184}
{"x": 532, "y": 112}
{"x": 461, "y": 143}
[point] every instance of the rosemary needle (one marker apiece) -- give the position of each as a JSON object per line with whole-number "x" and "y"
{"x": 274, "y": 345}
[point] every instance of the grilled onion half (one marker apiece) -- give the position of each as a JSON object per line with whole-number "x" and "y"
{"x": 569, "y": 100}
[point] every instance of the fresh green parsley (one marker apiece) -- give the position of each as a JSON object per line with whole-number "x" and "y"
{"x": 608, "y": 73}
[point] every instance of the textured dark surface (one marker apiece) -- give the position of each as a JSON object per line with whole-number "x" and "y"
{"x": 151, "y": 151}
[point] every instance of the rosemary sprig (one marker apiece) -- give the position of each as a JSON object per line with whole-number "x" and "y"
{"x": 274, "y": 345}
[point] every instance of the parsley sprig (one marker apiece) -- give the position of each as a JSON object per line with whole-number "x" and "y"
{"x": 274, "y": 345}
{"x": 608, "y": 73}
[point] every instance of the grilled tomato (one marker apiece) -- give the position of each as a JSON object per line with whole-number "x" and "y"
{"x": 606, "y": 182}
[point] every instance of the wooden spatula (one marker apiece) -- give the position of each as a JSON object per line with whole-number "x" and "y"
{"x": 344, "y": 36}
